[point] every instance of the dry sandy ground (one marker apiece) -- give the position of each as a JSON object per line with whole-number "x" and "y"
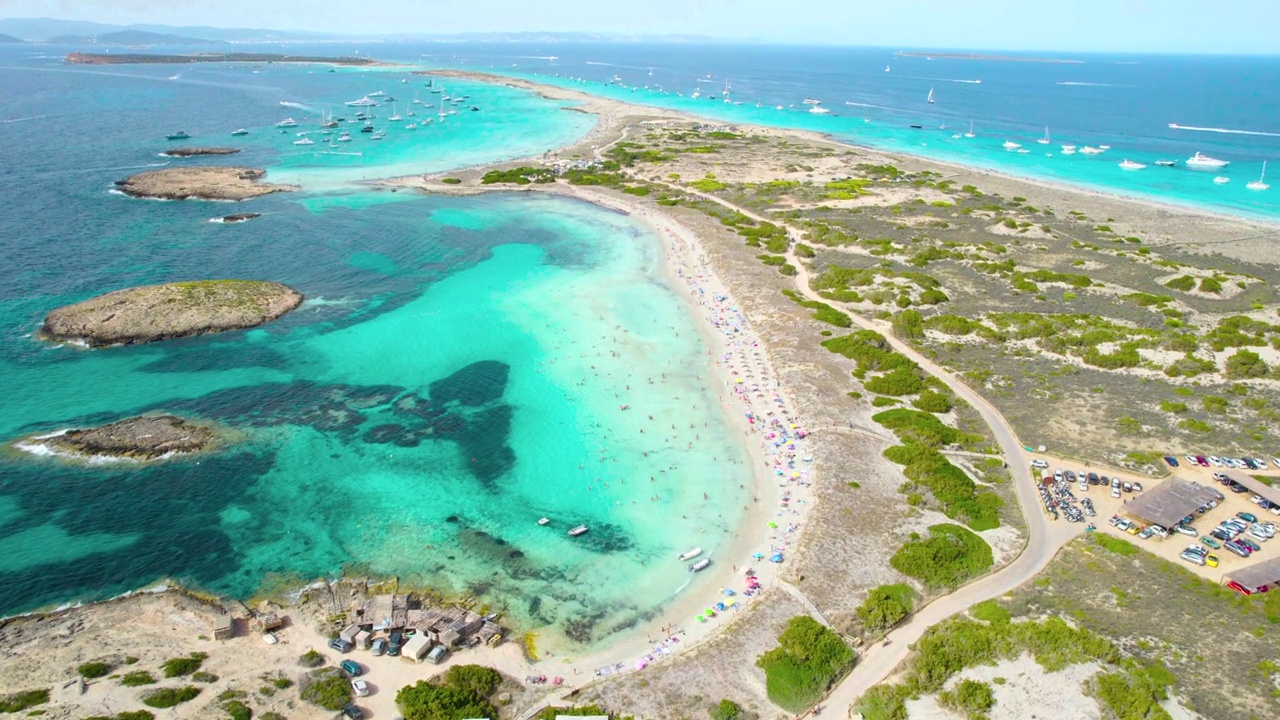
{"x": 1029, "y": 692}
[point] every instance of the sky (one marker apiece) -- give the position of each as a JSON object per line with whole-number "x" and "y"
{"x": 1191, "y": 26}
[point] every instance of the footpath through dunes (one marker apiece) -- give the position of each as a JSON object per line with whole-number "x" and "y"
{"x": 171, "y": 310}
{"x": 1043, "y": 539}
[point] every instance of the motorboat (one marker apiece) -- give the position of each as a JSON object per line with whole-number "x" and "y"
{"x": 378, "y": 135}
{"x": 1090, "y": 150}
{"x": 287, "y": 123}
{"x": 376, "y": 94}
{"x": 365, "y": 101}
{"x": 1200, "y": 160}
{"x": 811, "y": 101}
{"x": 1068, "y": 149}
{"x": 240, "y": 132}
{"x": 580, "y": 530}
{"x": 344, "y": 137}
{"x": 304, "y": 141}
{"x": 1011, "y": 145}
{"x": 1104, "y": 147}
{"x": 1131, "y": 165}
{"x": 1166, "y": 163}
{"x": 1221, "y": 180}
{"x": 1023, "y": 151}
{"x": 700, "y": 565}
{"x": 411, "y": 126}
{"x": 368, "y": 127}
{"x": 690, "y": 554}
{"x": 818, "y": 110}
{"x": 543, "y": 521}
{"x": 916, "y": 127}
{"x": 177, "y": 136}
{"x": 1261, "y": 182}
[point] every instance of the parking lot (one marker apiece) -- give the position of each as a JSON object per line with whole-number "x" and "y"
{"x": 1105, "y": 505}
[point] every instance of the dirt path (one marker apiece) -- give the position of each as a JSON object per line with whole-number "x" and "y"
{"x": 1043, "y": 538}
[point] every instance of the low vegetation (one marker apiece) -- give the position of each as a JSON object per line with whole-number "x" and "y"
{"x": 808, "y": 659}
{"x": 94, "y": 670}
{"x": 137, "y": 678}
{"x": 177, "y": 667}
{"x": 885, "y": 607}
{"x": 518, "y": 176}
{"x": 462, "y": 692}
{"x": 326, "y": 687}
{"x": 949, "y": 557}
{"x": 19, "y": 701}
{"x": 169, "y": 697}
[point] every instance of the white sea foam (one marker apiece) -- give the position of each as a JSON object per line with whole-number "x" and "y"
{"x": 299, "y": 106}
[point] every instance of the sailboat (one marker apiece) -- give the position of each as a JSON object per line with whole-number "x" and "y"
{"x": 970, "y": 133}
{"x": 930, "y": 98}
{"x": 1260, "y": 183}
{"x": 1044, "y": 140}
{"x": 886, "y": 68}
{"x": 442, "y": 113}
{"x": 395, "y": 116}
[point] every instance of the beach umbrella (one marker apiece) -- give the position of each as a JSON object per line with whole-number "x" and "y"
{"x": 701, "y": 619}
{"x": 640, "y": 664}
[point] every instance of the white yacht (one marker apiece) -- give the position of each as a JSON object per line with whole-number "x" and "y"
{"x": 365, "y": 101}
{"x": 1204, "y": 161}
{"x": 1090, "y": 150}
{"x": 1261, "y": 182}
{"x": 1221, "y": 180}
{"x": 1166, "y": 163}
{"x": 395, "y": 116}
{"x": 304, "y": 141}
{"x": 287, "y": 122}
{"x": 695, "y": 94}
{"x": 240, "y": 132}
{"x": 1068, "y": 149}
{"x": 344, "y": 137}
{"x": 1131, "y": 165}
{"x": 818, "y": 110}
{"x": 1011, "y": 145}
{"x": 811, "y": 101}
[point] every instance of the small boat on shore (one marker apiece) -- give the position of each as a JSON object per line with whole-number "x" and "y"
{"x": 580, "y": 530}
{"x": 690, "y": 554}
{"x": 700, "y": 565}
{"x": 180, "y": 135}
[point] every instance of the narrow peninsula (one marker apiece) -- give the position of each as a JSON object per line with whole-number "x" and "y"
{"x": 78, "y": 58}
{"x": 186, "y": 152}
{"x": 172, "y": 310}
{"x": 143, "y": 438}
{"x": 200, "y": 183}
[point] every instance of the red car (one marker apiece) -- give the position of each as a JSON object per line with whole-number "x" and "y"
{"x": 1204, "y": 462}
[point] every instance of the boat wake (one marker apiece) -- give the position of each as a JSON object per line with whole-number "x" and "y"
{"x": 1073, "y": 83}
{"x": 866, "y": 105}
{"x": 1228, "y": 131}
{"x": 605, "y": 64}
{"x": 950, "y": 80}
{"x": 298, "y": 106}
{"x": 21, "y": 119}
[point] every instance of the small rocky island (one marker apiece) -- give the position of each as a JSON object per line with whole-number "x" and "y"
{"x": 172, "y": 310}
{"x": 186, "y": 152}
{"x": 148, "y": 437}
{"x": 236, "y": 218}
{"x": 201, "y": 183}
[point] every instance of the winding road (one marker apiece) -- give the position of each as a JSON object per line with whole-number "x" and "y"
{"x": 1043, "y": 537}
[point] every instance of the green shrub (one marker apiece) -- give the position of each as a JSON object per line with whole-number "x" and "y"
{"x": 476, "y": 679}
{"x": 914, "y": 426}
{"x": 808, "y": 659}
{"x": 934, "y": 402}
{"x": 136, "y": 678}
{"x": 204, "y": 677}
{"x": 904, "y": 380}
{"x": 1246, "y": 364}
{"x": 869, "y": 349}
{"x": 169, "y": 697}
{"x": 328, "y": 688}
{"x": 886, "y": 606}
{"x": 946, "y": 559}
{"x": 451, "y": 181}
{"x": 971, "y": 697}
{"x": 93, "y": 670}
{"x": 1184, "y": 283}
{"x": 19, "y": 701}
{"x": 1210, "y": 285}
{"x": 443, "y": 701}
{"x": 804, "y": 251}
{"x": 881, "y": 401}
{"x": 237, "y": 710}
{"x": 1173, "y": 407}
{"x": 1135, "y": 692}
{"x": 177, "y": 667}
{"x": 990, "y": 611}
{"x": 707, "y": 185}
{"x": 726, "y": 710}
{"x": 1114, "y": 544}
{"x": 311, "y": 659}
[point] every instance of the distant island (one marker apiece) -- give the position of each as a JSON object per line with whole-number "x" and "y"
{"x": 131, "y": 37}
{"x": 199, "y": 183}
{"x": 186, "y": 152}
{"x": 147, "y": 437}
{"x": 10, "y": 39}
{"x": 79, "y": 58}
{"x": 172, "y": 310}
{"x": 981, "y": 56}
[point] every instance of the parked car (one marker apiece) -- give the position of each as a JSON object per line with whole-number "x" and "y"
{"x": 1191, "y": 460}
{"x": 1247, "y": 517}
{"x": 1146, "y": 533}
{"x": 1274, "y": 509}
{"x": 1261, "y": 463}
{"x": 270, "y": 638}
{"x": 1039, "y": 464}
{"x": 352, "y": 712}
{"x": 379, "y": 646}
{"x": 1128, "y": 486}
{"x": 1259, "y": 533}
{"x": 1211, "y": 560}
{"x": 1115, "y": 491}
{"x": 1114, "y": 521}
{"x": 1159, "y": 532}
{"x": 1220, "y": 534}
{"x": 351, "y": 667}
{"x": 1133, "y": 530}
{"x": 1253, "y": 546}
{"x": 1237, "y": 549}
{"x": 1215, "y": 461}
{"x": 1275, "y": 461}
{"x": 1202, "y": 461}
{"x": 1211, "y": 542}
{"x": 1172, "y": 461}
{"x": 1185, "y": 530}
{"x": 340, "y": 645}
{"x": 1093, "y": 478}
{"x": 1193, "y": 555}
{"x": 361, "y": 687}
{"x": 1238, "y": 488}
{"x": 1137, "y": 486}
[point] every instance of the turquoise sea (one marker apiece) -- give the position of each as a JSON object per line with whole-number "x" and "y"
{"x": 457, "y": 371}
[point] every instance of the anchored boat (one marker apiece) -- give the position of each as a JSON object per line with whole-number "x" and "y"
{"x": 691, "y": 554}
{"x": 580, "y": 530}
{"x": 700, "y": 565}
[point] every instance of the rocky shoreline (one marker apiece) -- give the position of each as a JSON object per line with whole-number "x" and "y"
{"x": 172, "y": 310}
{"x": 143, "y": 438}
{"x": 200, "y": 183}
